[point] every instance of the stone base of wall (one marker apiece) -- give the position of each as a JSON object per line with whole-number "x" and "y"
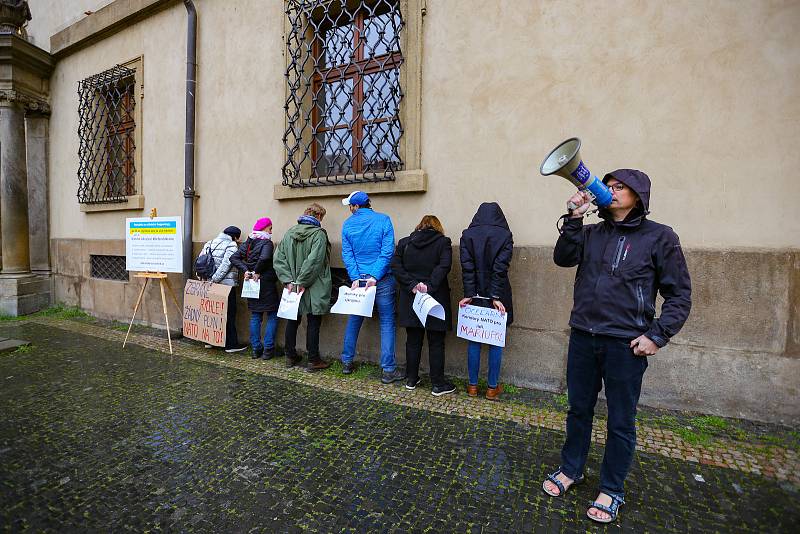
{"x": 24, "y": 294}
{"x": 737, "y": 356}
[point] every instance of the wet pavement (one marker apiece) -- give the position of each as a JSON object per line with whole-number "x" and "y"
{"x": 96, "y": 439}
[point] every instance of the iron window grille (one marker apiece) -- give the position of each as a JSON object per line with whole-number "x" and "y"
{"x": 106, "y": 169}
{"x": 344, "y": 94}
{"x": 108, "y": 267}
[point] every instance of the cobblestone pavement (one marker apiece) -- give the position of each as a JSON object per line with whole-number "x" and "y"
{"x": 96, "y": 438}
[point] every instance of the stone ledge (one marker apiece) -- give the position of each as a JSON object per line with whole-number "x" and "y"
{"x": 415, "y": 181}
{"x": 133, "y": 202}
{"x": 103, "y": 23}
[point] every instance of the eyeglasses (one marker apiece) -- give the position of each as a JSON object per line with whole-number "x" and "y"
{"x": 617, "y": 187}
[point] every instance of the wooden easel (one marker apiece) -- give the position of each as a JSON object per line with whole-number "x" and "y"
{"x": 163, "y": 280}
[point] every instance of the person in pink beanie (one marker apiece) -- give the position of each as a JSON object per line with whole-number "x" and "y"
{"x": 254, "y": 259}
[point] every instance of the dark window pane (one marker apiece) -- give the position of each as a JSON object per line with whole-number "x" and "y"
{"x": 380, "y": 144}
{"x": 334, "y": 152}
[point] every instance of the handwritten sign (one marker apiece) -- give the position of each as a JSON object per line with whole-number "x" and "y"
{"x": 205, "y": 309}
{"x": 425, "y": 305}
{"x": 357, "y": 301}
{"x": 153, "y": 244}
{"x": 484, "y": 325}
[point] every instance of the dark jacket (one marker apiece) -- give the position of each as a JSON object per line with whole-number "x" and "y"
{"x": 486, "y": 250}
{"x": 621, "y": 266}
{"x": 425, "y": 256}
{"x": 256, "y": 255}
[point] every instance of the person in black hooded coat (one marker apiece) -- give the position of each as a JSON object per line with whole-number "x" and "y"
{"x": 420, "y": 264}
{"x": 622, "y": 263}
{"x": 486, "y": 250}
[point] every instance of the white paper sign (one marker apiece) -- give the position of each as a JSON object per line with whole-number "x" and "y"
{"x": 357, "y": 301}
{"x": 154, "y": 244}
{"x": 425, "y": 305}
{"x": 290, "y": 304}
{"x": 251, "y": 289}
{"x": 484, "y": 325}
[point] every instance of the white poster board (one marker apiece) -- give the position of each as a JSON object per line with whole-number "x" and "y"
{"x": 357, "y": 301}
{"x": 425, "y": 305}
{"x": 290, "y": 304}
{"x": 154, "y": 244}
{"x": 484, "y": 325}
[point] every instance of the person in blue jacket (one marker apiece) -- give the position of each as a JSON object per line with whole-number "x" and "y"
{"x": 622, "y": 263}
{"x": 367, "y": 250}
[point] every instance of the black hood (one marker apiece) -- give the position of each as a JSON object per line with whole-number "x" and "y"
{"x": 639, "y": 182}
{"x": 636, "y": 180}
{"x": 489, "y": 214}
{"x": 423, "y": 238}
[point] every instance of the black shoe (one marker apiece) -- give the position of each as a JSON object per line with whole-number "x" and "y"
{"x": 268, "y": 354}
{"x": 292, "y": 360}
{"x": 443, "y": 389}
{"x": 348, "y": 368}
{"x": 394, "y": 376}
{"x": 412, "y": 383}
{"x": 236, "y": 348}
{"x": 256, "y": 354}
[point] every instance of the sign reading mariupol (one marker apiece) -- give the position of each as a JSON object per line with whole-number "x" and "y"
{"x": 153, "y": 244}
{"x": 484, "y": 325}
{"x": 205, "y": 308}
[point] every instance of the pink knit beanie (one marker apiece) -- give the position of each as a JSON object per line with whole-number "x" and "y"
{"x": 262, "y": 223}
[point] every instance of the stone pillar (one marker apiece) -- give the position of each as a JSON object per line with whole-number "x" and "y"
{"x": 13, "y": 190}
{"x": 36, "y": 130}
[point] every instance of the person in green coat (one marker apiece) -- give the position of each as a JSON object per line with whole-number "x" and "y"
{"x": 302, "y": 263}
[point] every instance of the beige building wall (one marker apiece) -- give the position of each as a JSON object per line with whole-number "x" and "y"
{"x": 703, "y": 96}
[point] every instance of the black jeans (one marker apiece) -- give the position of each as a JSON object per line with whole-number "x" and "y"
{"x": 231, "y": 336}
{"x": 594, "y": 361}
{"x": 414, "y": 338}
{"x": 313, "y": 323}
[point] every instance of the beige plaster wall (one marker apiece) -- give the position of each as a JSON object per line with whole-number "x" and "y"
{"x": 50, "y": 16}
{"x": 711, "y": 115}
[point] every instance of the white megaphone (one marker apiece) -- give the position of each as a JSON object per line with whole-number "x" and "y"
{"x": 565, "y": 161}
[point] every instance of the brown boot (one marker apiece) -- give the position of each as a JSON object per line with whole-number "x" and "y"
{"x": 494, "y": 393}
{"x": 472, "y": 391}
{"x": 292, "y": 359}
{"x": 317, "y": 365}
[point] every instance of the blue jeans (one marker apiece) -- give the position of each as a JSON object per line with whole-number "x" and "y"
{"x": 269, "y": 331}
{"x": 474, "y": 363}
{"x": 384, "y": 302}
{"x": 594, "y": 361}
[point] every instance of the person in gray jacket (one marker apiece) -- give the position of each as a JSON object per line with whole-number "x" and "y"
{"x": 222, "y": 248}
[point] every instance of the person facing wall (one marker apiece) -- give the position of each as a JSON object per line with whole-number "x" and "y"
{"x": 367, "y": 248}
{"x": 222, "y": 248}
{"x": 254, "y": 258}
{"x": 303, "y": 263}
{"x": 420, "y": 264}
{"x": 487, "y": 246}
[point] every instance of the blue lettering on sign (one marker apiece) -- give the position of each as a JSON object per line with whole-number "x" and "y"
{"x": 154, "y": 224}
{"x": 581, "y": 173}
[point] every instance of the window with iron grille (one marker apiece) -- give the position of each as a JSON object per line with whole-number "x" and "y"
{"x": 107, "y": 132}
{"x": 108, "y": 267}
{"x": 344, "y": 93}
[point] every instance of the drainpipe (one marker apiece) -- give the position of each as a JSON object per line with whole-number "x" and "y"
{"x": 188, "y": 154}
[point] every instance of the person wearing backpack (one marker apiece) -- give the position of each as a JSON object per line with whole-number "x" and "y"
{"x": 254, "y": 258}
{"x": 214, "y": 264}
{"x": 303, "y": 264}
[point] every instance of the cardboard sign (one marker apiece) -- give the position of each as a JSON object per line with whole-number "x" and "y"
{"x": 154, "y": 244}
{"x": 290, "y": 304}
{"x": 484, "y": 325}
{"x": 205, "y": 311}
{"x": 357, "y": 301}
{"x": 425, "y": 305}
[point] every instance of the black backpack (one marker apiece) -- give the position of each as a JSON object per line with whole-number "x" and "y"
{"x": 204, "y": 266}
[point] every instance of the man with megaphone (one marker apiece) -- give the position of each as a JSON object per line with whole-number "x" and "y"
{"x": 622, "y": 263}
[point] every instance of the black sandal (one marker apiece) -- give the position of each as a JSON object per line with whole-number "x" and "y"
{"x": 612, "y": 510}
{"x": 552, "y": 478}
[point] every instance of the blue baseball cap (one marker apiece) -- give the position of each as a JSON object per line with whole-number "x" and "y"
{"x": 356, "y": 198}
